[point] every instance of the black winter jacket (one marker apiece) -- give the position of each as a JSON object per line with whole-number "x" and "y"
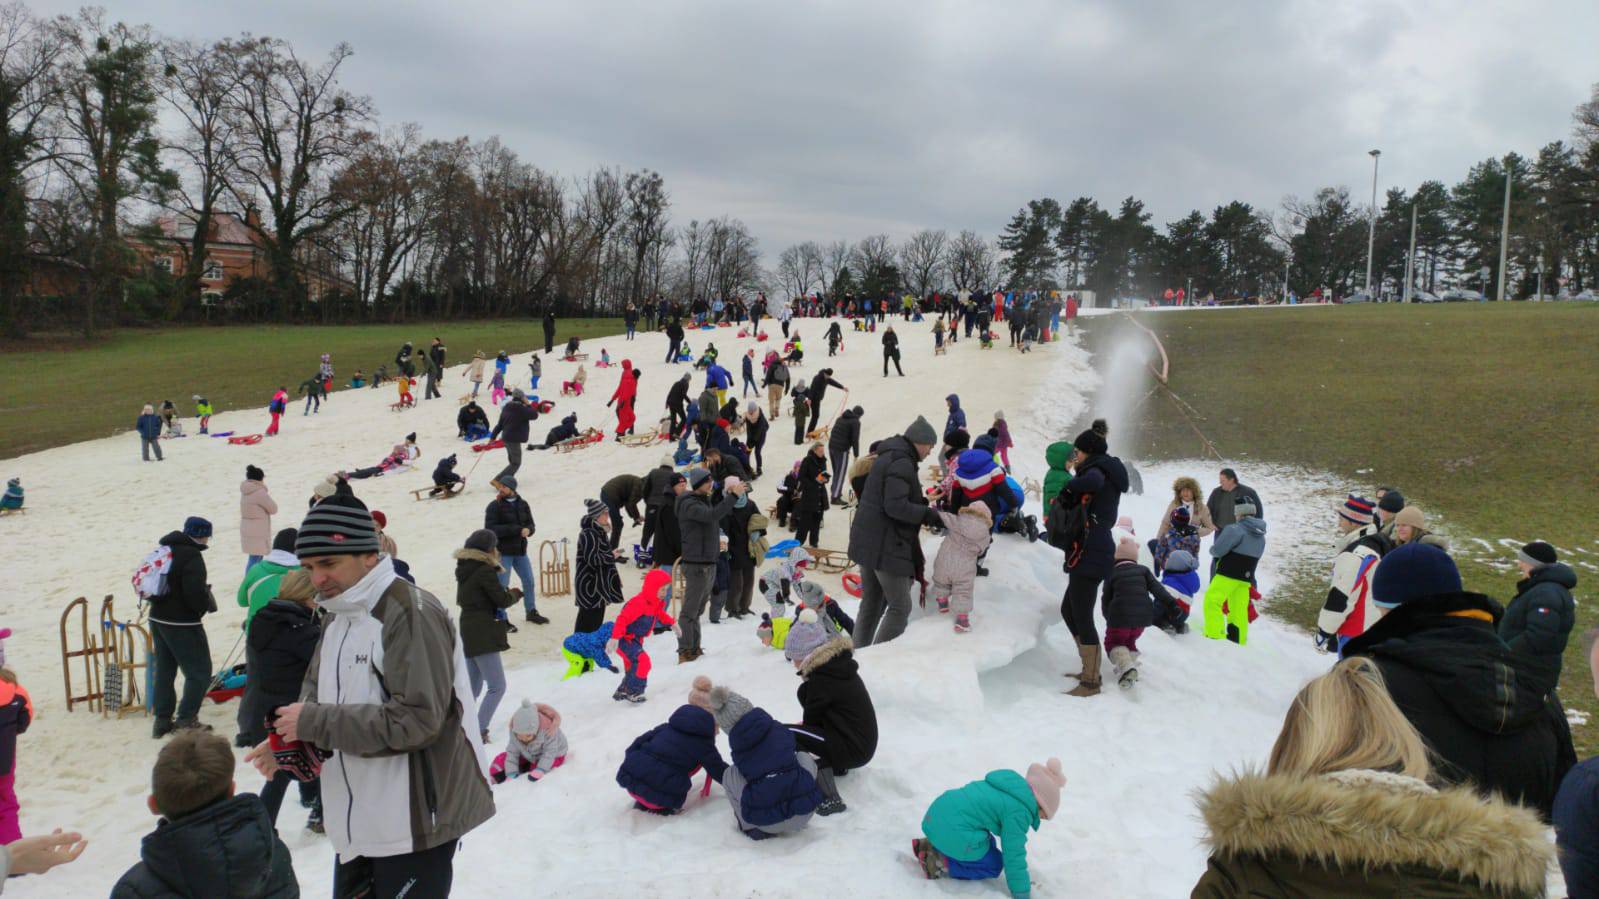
{"x": 227, "y": 849}
{"x": 1486, "y": 711}
{"x": 506, "y": 518}
{"x": 480, "y": 595}
{"x": 846, "y": 433}
{"x": 513, "y": 423}
{"x": 1130, "y": 595}
{"x": 668, "y": 547}
{"x": 625, "y": 491}
{"x": 1106, "y": 478}
{"x": 836, "y": 704}
{"x": 891, "y": 511}
{"x": 188, "y": 596}
{"x": 1539, "y": 620}
{"x": 283, "y": 638}
{"x": 677, "y": 396}
{"x": 699, "y": 526}
{"x": 755, "y": 431}
{"x": 658, "y": 487}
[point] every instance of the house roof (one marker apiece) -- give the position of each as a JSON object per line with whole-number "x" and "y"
{"x": 230, "y": 228}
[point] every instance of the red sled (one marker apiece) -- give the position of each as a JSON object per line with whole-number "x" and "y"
{"x": 852, "y": 584}
{"x": 248, "y": 440}
{"x": 546, "y": 406}
{"x": 761, "y": 337}
{"x": 224, "y": 694}
{"x": 485, "y": 447}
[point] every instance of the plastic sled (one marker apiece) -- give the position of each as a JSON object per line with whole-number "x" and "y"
{"x": 852, "y": 584}
{"x": 761, "y": 337}
{"x": 643, "y": 558}
{"x": 782, "y": 548}
{"x": 247, "y": 440}
{"x": 223, "y": 434}
{"x": 485, "y": 447}
{"x": 227, "y": 685}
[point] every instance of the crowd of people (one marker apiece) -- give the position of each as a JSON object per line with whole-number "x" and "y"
{"x": 1429, "y": 760}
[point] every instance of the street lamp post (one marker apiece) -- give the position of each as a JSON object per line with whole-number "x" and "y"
{"x": 1288, "y": 261}
{"x": 1504, "y": 231}
{"x": 1371, "y": 233}
{"x": 1410, "y": 257}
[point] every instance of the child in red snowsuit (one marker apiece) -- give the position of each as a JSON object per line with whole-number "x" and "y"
{"x": 280, "y": 402}
{"x": 16, "y": 713}
{"x": 637, "y": 620}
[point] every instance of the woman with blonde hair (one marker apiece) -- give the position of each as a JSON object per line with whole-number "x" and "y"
{"x": 1344, "y": 808}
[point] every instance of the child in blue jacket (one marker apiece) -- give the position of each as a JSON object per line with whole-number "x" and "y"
{"x": 1181, "y": 580}
{"x": 658, "y": 768}
{"x": 961, "y": 826}
{"x": 584, "y": 652}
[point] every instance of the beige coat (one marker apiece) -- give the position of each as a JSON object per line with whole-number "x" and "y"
{"x": 474, "y": 372}
{"x": 1198, "y": 517}
{"x": 256, "y": 509}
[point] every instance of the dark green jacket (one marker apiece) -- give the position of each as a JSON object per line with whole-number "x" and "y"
{"x": 480, "y": 595}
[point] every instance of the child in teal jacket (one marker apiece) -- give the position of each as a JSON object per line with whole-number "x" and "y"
{"x": 961, "y": 826}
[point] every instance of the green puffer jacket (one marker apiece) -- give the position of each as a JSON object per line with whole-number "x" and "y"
{"x": 1367, "y": 835}
{"x": 1058, "y": 456}
{"x": 960, "y": 821}
{"x": 260, "y": 585}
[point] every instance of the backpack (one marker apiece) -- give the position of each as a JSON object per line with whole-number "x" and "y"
{"x": 1067, "y": 526}
{"x": 150, "y": 578}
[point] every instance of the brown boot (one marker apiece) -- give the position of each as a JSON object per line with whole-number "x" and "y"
{"x": 683, "y": 656}
{"x": 1088, "y": 681}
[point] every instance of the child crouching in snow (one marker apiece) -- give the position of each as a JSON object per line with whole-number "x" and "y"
{"x": 840, "y": 724}
{"x": 967, "y": 535}
{"x": 637, "y": 620}
{"x": 658, "y": 768}
{"x": 773, "y": 632}
{"x": 584, "y": 651}
{"x": 961, "y": 824}
{"x": 777, "y": 585}
{"x": 537, "y": 745}
{"x": 810, "y": 595}
{"x": 1131, "y": 596}
{"x": 771, "y": 785}
{"x": 1181, "y": 580}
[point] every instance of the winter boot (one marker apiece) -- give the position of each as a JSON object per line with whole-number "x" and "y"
{"x": 163, "y": 726}
{"x": 943, "y": 605}
{"x": 962, "y": 624}
{"x": 313, "y": 822}
{"x": 635, "y": 698}
{"x": 536, "y": 618}
{"x": 932, "y": 861}
{"x": 619, "y": 695}
{"x": 832, "y": 803}
{"x": 190, "y": 724}
{"x": 1088, "y": 681}
{"x": 981, "y": 571}
{"x": 1125, "y": 664}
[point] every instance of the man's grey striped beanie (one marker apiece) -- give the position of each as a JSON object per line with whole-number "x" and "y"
{"x": 333, "y": 528}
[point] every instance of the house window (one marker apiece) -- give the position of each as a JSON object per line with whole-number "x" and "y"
{"x": 213, "y": 270}
{"x": 210, "y": 298}
{"x": 163, "y": 263}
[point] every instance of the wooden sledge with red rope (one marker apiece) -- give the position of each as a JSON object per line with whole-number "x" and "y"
{"x": 437, "y": 492}
{"x": 584, "y": 440}
{"x": 831, "y": 561}
{"x": 822, "y": 432}
{"x": 661, "y": 433}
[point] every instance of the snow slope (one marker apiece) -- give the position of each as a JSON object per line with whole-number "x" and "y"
{"x": 951, "y": 707}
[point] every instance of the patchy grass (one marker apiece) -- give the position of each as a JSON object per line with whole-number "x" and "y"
{"x": 58, "y": 392}
{"x": 1484, "y": 415}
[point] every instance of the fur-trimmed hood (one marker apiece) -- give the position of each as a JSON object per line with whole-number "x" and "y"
{"x": 476, "y": 555}
{"x": 1369, "y": 820}
{"x": 825, "y": 653}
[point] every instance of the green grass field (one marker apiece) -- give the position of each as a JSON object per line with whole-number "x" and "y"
{"x": 1484, "y": 415}
{"x": 54, "y": 393}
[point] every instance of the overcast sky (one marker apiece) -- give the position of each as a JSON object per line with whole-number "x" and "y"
{"x": 819, "y": 120}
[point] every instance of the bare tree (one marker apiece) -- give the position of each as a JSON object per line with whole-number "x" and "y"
{"x": 794, "y": 271}
{"x": 873, "y": 253}
{"x": 972, "y": 262}
{"x": 29, "y": 49}
{"x": 296, "y": 127}
{"x": 922, "y": 260}
{"x": 644, "y": 224}
{"x": 835, "y": 258}
{"x": 385, "y": 226}
{"x": 600, "y": 203}
{"x": 1587, "y": 119}
{"x": 197, "y": 85}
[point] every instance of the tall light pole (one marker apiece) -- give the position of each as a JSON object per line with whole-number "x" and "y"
{"x": 1504, "y": 230}
{"x": 1288, "y": 260}
{"x": 1371, "y": 233}
{"x": 1410, "y": 257}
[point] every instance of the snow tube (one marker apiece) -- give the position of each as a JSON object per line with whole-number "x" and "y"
{"x": 852, "y": 584}
{"x": 782, "y": 549}
{"x": 250, "y": 440}
{"x": 491, "y": 445}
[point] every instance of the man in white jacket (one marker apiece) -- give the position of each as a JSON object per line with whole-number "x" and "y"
{"x": 387, "y": 694}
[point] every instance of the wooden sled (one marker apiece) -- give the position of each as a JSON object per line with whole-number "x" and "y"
{"x": 575, "y": 357}
{"x": 1032, "y": 487}
{"x": 582, "y": 441}
{"x": 820, "y": 433}
{"x": 437, "y": 492}
{"x": 402, "y": 405}
{"x": 831, "y": 561}
{"x": 933, "y": 474}
{"x": 643, "y": 439}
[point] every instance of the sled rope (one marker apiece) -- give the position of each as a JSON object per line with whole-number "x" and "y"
{"x": 1184, "y": 408}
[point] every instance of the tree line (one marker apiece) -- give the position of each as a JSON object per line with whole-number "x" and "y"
{"x": 104, "y": 126}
